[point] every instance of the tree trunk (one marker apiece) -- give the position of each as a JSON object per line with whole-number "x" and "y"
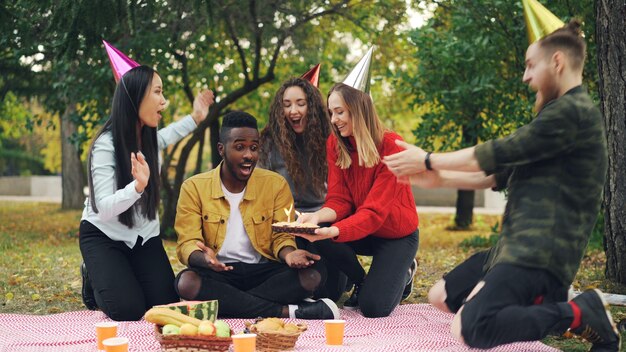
{"x": 464, "y": 209}
{"x": 73, "y": 178}
{"x": 215, "y": 137}
{"x": 169, "y": 216}
{"x": 465, "y": 199}
{"x": 611, "y": 46}
{"x": 200, "y": 158}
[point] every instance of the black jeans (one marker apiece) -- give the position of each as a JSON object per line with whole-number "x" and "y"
{"x": 504, "y": 309}
{"x": 336, "y": 280}
{"x": 126, "y": 281}
{"x": 253, "y": 290}
{"x": 381, "y": 291}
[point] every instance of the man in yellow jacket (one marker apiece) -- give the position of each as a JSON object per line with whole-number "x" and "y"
{"x": 224, "y": 225}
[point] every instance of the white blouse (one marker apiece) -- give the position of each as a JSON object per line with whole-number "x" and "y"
{"x": 112, "y": 201}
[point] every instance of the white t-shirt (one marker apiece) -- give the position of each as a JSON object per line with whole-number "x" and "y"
{"x": 237, "y": 246}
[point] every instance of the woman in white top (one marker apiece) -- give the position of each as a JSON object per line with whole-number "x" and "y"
{"x": 126, "y": 270}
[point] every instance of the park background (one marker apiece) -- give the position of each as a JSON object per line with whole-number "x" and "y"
{"x": 445, "y": 74}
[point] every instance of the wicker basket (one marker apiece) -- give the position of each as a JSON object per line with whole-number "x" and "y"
{"x": 276, "y": 341}
{"x": 187, "y": 343}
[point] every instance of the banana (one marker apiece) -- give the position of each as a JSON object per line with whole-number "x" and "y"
{"x": 164, "y": 316}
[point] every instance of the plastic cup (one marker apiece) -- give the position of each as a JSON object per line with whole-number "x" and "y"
{"x": 334, "y": 331}
{"x": 244, "y": 342}
{"x": 105, "y": 330}
{"x": 115, "y": 344}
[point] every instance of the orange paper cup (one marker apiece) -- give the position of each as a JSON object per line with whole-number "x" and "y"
{"x": 244, "y": 342}
{"x": 334, "y": 331}
{"x": 105, "y": 330}
{"x": 115, "y": 344}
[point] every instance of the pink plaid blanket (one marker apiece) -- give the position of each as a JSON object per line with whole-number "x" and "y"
{"x": 412, "y": 327}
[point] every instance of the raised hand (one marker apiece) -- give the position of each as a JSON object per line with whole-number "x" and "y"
{"x": 300, "y": 259}
{"x": 211, "y": 258}
{"x": 140, "y": 171}
{"x": 407, "y": 162}
{"x": 201, "y": 105}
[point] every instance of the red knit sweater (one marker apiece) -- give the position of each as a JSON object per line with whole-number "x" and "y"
{"x": 369, "y": 201}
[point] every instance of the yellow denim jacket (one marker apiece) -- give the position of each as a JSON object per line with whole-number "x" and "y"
{"x": 202, "y": 213}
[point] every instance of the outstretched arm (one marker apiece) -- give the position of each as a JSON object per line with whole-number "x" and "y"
{"x": 412, "y": 160}
{"x": 451, "y": 179}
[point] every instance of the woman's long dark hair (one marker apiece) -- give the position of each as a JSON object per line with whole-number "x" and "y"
{"x": 279, "y": 134}
{"x": 124, "y": 127}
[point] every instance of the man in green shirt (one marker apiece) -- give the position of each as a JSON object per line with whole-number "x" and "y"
{"x": 554, "y": 169}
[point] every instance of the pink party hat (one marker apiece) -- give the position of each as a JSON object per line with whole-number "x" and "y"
{"x": 120, "y": 63}
{"x": 313, "y": 75}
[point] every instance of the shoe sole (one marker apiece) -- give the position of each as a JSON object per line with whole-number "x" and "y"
{"x": 85, "y": 279}
{"x": 333, "y": 307}
{"x": 410, "y": 292}
{"x": 414, "y": 269}
{"x": 610, "y": 317}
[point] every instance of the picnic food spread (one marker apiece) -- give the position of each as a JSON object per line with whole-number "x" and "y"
{"x": 176, "y": 327}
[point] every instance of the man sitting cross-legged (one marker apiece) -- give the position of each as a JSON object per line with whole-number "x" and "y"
{"x": 224, "y": 225}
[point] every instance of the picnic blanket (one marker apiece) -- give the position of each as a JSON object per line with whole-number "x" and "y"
{"x": 411, "y": 327}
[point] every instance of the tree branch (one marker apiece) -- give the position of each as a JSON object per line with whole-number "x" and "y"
{"x": 182, "y": 58}
{"x": 235, "y": 39}
{"x": 258, "y": 35}
{"x": 289, "y": 31}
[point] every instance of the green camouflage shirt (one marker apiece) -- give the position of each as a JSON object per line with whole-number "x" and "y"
{"x": 554, "y": 169}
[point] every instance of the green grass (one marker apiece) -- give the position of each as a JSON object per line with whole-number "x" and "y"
{"x": 39, "y": 260}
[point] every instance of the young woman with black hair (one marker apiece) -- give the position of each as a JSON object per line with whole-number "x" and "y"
{"x": 128, "y": 269}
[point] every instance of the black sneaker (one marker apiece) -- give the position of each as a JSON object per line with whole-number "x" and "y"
{"x": 322, "y": 308}
{"x": 596, "y": 325}
{"x": 88, "y": 298}
{"x": 408, "y": 289}
{"x": 352, "y": 303}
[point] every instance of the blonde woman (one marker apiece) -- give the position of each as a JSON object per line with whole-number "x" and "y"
{"x": 371, "y": 213}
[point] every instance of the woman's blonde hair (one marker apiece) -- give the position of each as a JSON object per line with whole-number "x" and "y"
{"x": 367, "y": 128}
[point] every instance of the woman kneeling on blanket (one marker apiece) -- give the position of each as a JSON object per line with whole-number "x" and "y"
{"x": 372, "y": 213}
{"x": 129, "y": 271}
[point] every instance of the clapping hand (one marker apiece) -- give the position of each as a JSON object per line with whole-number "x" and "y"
{"x": 140, "y": 171}
{"x": 201, "y": 105}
